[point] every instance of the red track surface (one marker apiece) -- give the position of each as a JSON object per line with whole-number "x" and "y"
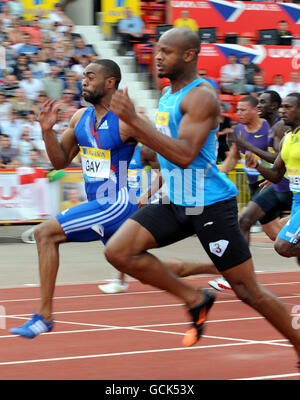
{"x": 137, "y": 336}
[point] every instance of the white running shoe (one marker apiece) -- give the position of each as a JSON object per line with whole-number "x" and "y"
{"x": 116, "y": 286}
{"x": 220, "y": 284}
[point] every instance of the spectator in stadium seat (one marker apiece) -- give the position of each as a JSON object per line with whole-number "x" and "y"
{"x": 67, "y": 107}
{"x": 81, "y": 48}
{"x": 130, "y": 29}
{"x": 23, "y": 147}
{"x": 232, "y": 76}
{"x": 278, "y": 85}
{"x": 27, "y": 47}
{"x": 14, "y": 33}
{"x": 8, "y": 154}
{"x": 259, "y": 84}
{"x": 57, "y": 15}
{"x": 250, "y": 70}
{"x": 6, "y": 17}
{"x": 293, "y": 86}
{"x": 16, "y": 8}
{"x": 38, "y": 68}
{"x": 80, "y": 67}
{"x": 72, "y": 83}
{"x": 4, "y": 107}
{"x": 284, "y": 35}
{"x": 34, "y": 31}
{"x": 21, "y": 103}
{"x": 10, "y": 85}
{"x": 185, "y": 21}
{"x": 21, "y": 66}
{"x": 12, "y": 127}
{"x": 53, "y": 85}
{"x": 30, "y": 85}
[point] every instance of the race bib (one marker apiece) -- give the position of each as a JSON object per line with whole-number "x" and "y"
{"x": 95, "y": 163}
{"x": 162, "y": 123}
{"x": 294, "y": 182}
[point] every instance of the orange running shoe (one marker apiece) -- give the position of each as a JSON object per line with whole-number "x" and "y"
{"x": 199, "y": 316}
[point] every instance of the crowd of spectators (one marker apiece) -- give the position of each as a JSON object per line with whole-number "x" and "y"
{"x": 43, "y": 60}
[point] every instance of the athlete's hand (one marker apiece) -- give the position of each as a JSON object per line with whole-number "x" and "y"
{"x": 48, "y": 115}
{"x": 123, "y": 106}
{"x": 251, "y": 159}
{"x": 264, "y": 185}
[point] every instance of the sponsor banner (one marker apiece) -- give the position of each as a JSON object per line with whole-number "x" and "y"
{"x": 31, "y": 6}
{"x": 113, "y": 10}
{"x": 238, "y": 16}
{"x": 24, "y": 195}
{"x": 272, "y": 59}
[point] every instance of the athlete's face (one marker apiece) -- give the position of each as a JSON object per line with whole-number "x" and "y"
{"x": 93, "y": 84}
{"x": 264, "y": 106}
{"x": 245, "y": 112}
{"x": 168, "y": 59}
{"x": 290, "y": 111}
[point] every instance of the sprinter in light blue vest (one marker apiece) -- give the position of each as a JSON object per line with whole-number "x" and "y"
{"x": 201, "y": 200}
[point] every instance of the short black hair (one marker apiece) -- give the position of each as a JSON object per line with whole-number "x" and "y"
{"x": 297, "y": 95}
{"x": 275, "y": 98}
{"x": 112, "y": 69}
{"x": 250, "y": 99}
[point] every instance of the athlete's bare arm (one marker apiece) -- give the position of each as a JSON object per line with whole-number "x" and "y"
{"x": 273, "y": 174}
{"x": 194, "y": 128}
{"x": 231, "y": 159}
{"x": 61, "y": 152}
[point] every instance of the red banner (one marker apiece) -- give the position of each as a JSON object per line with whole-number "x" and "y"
{"x": 271, "y": 59}
{"x": 238, "y": 16}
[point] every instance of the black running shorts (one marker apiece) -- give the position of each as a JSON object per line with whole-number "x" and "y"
{"x": 216, "y": 227}
{"x": 273, "y": 203}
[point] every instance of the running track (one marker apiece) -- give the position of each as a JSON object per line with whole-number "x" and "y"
{"x": 137, "y": 336}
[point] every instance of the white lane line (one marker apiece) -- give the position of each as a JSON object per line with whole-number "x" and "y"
{"x": 131, "y": 293}
{"x": 267, "y": 377}
{"x": 126, "y": 353}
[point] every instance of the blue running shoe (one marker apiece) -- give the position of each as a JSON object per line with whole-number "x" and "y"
{"x": 35, "y": 326}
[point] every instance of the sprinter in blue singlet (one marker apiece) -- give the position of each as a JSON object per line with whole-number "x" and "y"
{"x": 202, "y": 201}
{"x": 106, "y": 146}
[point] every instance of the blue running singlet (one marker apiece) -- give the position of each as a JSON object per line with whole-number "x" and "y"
{"x": 202, "y": 183}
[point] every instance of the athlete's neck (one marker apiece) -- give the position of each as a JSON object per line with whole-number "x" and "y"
{"x": 182, "y": 81}
{"x": 254, "y": 125}
{"x": 271, "y": 119}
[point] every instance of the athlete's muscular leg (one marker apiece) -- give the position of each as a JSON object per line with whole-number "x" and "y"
{"x": 243, "y": 282}
{"x": 126, "y": 251}
{"x": 48, "y": 236}
{"x": 184, "y": 268}
{"x": 253, "y": 213}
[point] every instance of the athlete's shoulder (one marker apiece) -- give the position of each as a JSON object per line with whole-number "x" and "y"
{"x": 77, "y": 116}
